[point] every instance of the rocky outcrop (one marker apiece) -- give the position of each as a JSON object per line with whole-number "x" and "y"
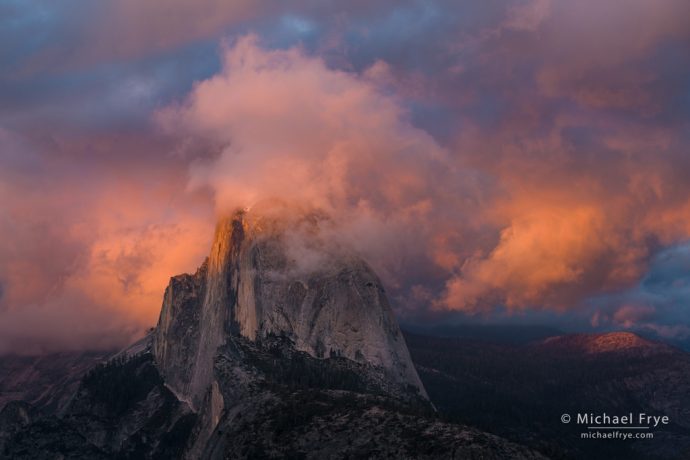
{"x": 276, "y": 276}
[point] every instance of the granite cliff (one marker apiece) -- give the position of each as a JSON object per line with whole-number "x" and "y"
{"x": 254, "y": 285}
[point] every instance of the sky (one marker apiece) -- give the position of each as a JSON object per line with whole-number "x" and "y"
{"x": 512, "y": 161}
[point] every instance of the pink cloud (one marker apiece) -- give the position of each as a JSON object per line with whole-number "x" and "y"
{"x": 85, "y": 254}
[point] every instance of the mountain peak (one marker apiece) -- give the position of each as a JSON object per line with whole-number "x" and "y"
{"x": 272, "y": 273}
{"x": 609, "y": 342}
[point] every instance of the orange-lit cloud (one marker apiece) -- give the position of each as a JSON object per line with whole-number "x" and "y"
{"x": 320, "y": 136}
{"x": 557, "y": 229}
{"x": 574, "y": 219}
{"x": 83, "y": 260}
{"x": 530, "y": 155}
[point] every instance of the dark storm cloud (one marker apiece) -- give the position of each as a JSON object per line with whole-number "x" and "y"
{"x": 658, "y": 305}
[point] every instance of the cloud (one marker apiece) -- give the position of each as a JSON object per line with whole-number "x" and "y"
{"x": 629, "y": 315}
{"x": 340, "y": 143}
{"x": 523, "y": 156}
{"x": 320, "y": 136}
{"x": 160, "y": 25}
{"x": 85, "y": 253}
{"x": 539, "y": 253}
{"x": 657, "y": 304}
{"x": 528, "y": 16}
{"x": 580, "y": 213}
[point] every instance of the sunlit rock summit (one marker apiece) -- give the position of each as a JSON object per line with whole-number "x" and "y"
{"x": 274, "y": 276}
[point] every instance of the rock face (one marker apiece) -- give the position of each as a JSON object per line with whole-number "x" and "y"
{"x": 268, "y": 276}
